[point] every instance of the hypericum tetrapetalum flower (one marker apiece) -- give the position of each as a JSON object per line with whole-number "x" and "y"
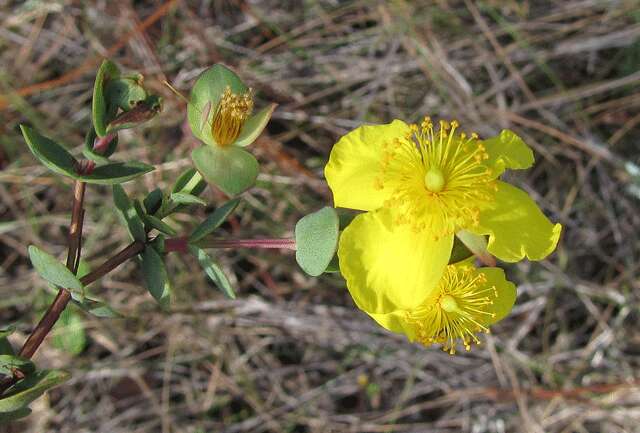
{"x": 229, "y": 117}
{"x": 422, "y": 184}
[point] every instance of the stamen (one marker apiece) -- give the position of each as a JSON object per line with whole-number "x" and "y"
{"x": 230, "y": 115}
{"x": 436, "y": 179}
{"x": 459, "y": 310}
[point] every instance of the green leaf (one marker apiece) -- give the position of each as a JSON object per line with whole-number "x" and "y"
{"x": 190, "y": 182}
{"x": 97, "y": 308}
{"x": 156, "y": 278}
{"x": 213, "y": 271}
{"x": 55, "y": 157}
{"x": 317, "y": 240}
{"x": 5, "y": 331}
{"x": 231, "y": 169}
{"x": 30, "y": 388}
{"x": 184, "y": 198}
{"x": 100, "y": 105}
{"x": 254, "y": 126}
{"x": 128, "y": 213}
{"x": 125, "y": 93}
{"x": 214, "y": 220}
{"x": 116, "y": 172}
{"x": 10, "y": 362}
{"x": 207, "y": 91}
{"x": 153, "y": 201}
{"x": 49, "y": 268}
{"x": 68, "y": 333}
{"x": 158, "y": 224}
{"x": 5, "y": 417}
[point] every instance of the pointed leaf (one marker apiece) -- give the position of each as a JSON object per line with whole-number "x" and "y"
{"x": 214, "y": 220}
{"x": 30, "y": 388}
{"x": 49, "y": 268}
{"x": 100, "y": 105}
{"x": 317, "y": 240}
{"x": 5, "y": 417}
{"x": 97, "y": 308}
{"x": 128, "y": 214}
{"x": 55, "y": 157}
{"x": 158, "y": 224}
{"x": 153, "y": 201}
{"x": 190, "y": 182}
{"x": 184, "y": 198}
{"x": 213, "y": 271}
{"x": 231, "y": 169}
{"x": 254, "y": 126}
{"x": 155, "y": 276}
{"x": 116, "y": 172}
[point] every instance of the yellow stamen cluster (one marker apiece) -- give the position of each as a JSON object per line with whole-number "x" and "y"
{"x": 232, "y": 111}
{"x": 456, "y": 312}
{"x": 437, "y": 179}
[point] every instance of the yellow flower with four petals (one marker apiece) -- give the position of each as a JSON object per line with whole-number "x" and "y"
{"x": 419, "y": 186}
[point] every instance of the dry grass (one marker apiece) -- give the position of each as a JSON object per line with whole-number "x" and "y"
{"x": 293, "y": 354}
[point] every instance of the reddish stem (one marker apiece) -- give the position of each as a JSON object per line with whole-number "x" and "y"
{"x": 181, "y": 244}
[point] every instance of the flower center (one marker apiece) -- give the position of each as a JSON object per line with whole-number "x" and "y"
{"x": 460, "y": 310}
{"x": 434, "y": 180}
{"x": 230, "y": 115}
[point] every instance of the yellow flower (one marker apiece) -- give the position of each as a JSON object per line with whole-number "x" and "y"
{"x": 421, "y": 185}
{"x": 229, "y": 117}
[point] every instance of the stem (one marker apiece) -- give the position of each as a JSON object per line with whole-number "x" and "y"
{"x": 181, "y": 244}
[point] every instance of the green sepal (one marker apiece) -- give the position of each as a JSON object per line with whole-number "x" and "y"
{"x": 142, "y": 112}
{"x": 214, "y": 220}
{"x": 254, "y": 126}
{"x": 128, "y": 214}
{"x": 205, "y": 96}
{"x": 30, "y": 388}
{"x": 213, "y": 271}
{"x": 317, "y": 240}
{"x": 51, "y": 270}
{"x": 477, "y": 245}
{"x": 155, "y": 277}
{"x": 101, "y": 110}
{"x": 125, "y": 92}
{"x": 232, "y": 169}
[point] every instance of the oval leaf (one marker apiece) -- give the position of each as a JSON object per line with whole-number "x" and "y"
{"x": 55, "y": 157}
{"x": 214, "y": 220}
{"x": 158, "y": 224}
{"x": 153, "y": 201}
{"x": 97, "y": 308}
{"x": 213, "y": 271}
{"x": 14, "y": 415}
{"x": 155, "y": 277}
{"x": 231, "y": 169}
{"x": 128, "y": 214}
{"x": 49, "y": 268}
{"x": 317, "y": 240}
{"x": 68, "y": 334}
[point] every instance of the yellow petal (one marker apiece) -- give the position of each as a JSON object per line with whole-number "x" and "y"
{"x": 389, "y": 267}
{"x": 396, "y": 321}
{"x": 507, "y": 151}
{"x": 355, "y": 162}
{"x": 516, "y": 227}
